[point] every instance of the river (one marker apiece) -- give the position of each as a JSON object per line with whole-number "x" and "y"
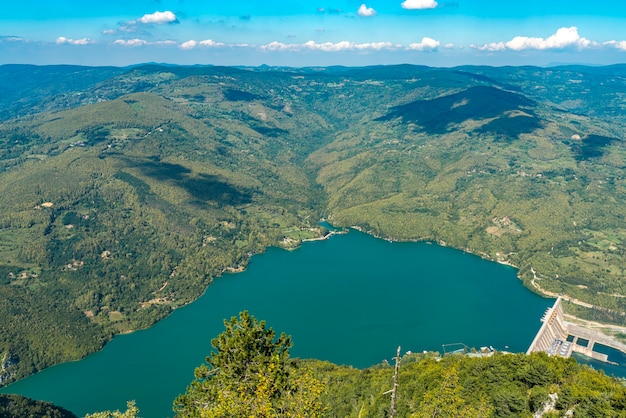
{"x": 351, "y": 299}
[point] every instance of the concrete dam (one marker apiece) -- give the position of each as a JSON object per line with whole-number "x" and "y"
{"x": 559, "y": 337}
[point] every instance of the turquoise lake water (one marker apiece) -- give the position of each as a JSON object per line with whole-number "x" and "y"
{"x": 351, "y": 299}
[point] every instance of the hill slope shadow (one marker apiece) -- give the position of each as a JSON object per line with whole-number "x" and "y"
{"x": 204, "y": 188}
{"x": 437, "y": 116}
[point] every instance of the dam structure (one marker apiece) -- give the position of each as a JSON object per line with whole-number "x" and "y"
{"x": 561, "y": 338}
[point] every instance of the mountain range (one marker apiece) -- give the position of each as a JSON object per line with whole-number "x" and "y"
{"x": 125, "y": 191}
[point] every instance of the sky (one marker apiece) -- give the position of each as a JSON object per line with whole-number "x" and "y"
{"x": 301, "y": 33}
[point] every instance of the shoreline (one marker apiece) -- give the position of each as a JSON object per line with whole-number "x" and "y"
{"x": 327, "y": 236}
{"x": 595, "y": 325}
{"x": 592, "y": 325}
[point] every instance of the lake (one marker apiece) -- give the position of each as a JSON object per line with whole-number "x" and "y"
{"x": 351, "y": 299}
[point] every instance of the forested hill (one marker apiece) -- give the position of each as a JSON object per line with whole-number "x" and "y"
{"x": 125, "y": 191}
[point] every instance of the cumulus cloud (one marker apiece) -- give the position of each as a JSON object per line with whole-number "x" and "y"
{"x": 277, "y": 46}
{"x": 419, "y": 4}
{"x": 492, "y": 47}
{"x": 365, "y": 11}
{"x": 130, "y": 42}
{"x": 158, "y": 18}
{"x": 138, "y": 25}
{"x": 82, "y": 41}
{"x": 427, "y": 44}
{"x": 621, "y": 45}
{"x": 330, "y": 46}
{"x": 142, "y": 42}
{"x": 562, "y": 39}
{"x": 207, "y": 43}
{"x": 189, "y": 44}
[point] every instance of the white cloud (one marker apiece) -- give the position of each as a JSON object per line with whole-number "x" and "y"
{"x": 448, "y": 46}
{"x": 621, "y": 45}
{"x": 209, "y": 43}
{"x": 189, "y": 44}
{"x": 82, "y": 41}
{"x": 419, "y": 4}
{"x": 158, "y": 18}
{"x": 330, "y": 46}
{"x": 138, "y": 25}
{"x": 427, "y": 44}
{"x": 131, "y": 42}
{"x": 365, "y": 11}
{"x": 12, "y": 39}
{"x": 492, "y": 47}
{"x": 377, "y": 46}
{"x": 563, "y": 38}
{"x": 278, "y": 46}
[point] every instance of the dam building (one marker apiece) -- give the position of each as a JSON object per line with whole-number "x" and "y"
{"x": 561, "y": 338}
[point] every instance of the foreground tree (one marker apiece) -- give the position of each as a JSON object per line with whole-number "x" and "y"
{"x": 131, "y": 412}
{"x": 445, "y": 401}
{"x": 249, "y": 374}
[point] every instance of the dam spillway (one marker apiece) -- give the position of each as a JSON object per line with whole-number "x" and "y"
{"x": 559, "y": 337}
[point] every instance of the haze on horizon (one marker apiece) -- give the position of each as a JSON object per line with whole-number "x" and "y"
{"x": 304, "y": 33}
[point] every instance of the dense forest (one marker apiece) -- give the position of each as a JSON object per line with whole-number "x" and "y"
{"x": 12, "y": 406}
{"x": 249, "y": 373}
{"x": 125, "y": 191}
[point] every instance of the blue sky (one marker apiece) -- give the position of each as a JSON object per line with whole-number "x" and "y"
{"x": 303, "y": 33}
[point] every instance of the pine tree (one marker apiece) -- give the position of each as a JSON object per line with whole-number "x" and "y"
{"x": 249, "y": 374}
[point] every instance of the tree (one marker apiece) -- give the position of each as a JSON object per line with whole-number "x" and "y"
{"x": 249, "y": 374}
{"x": 445, "y": 400}
{"x": 131, "y": 412}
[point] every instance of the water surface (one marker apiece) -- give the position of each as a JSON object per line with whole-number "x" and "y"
{"x": 351, "y": 299}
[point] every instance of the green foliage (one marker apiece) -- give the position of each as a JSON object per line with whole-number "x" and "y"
{"x": 461, "y": 386}
{"x": 445, "y": 400}
{"x": 131, "y": 412}
{"x": 13, "y": 406}
{"x": 31, "y": 343}
{"x": 162, "y": 178}
{"x": 440, "y": 115}
{"x": 30, "y": 89}
{"x": 150, "y": 199}
{"x": 249, "y": 374}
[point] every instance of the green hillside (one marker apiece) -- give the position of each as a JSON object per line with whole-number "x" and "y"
{"x": 249, "y": 373}
{"x": 12, "y": 406}
{"x": 444, "y": 114}
{"x": 124, "y": 192}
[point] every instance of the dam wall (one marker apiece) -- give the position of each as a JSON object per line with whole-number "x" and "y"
{"x": 559, "y": 337}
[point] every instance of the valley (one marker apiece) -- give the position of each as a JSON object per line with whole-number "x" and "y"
{"x": 125, "y": 191}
